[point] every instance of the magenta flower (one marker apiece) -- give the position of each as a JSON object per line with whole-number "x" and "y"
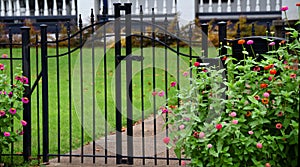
{"x": 235, "y": 121}
{"x": 270, "y": 78}
{"x": 161, "y": 93}
{"x": 6, "y": 134}
{"x": 173, "y": 84}
{"x": 24, "y": 80}
{"x": 201, "y": 135}
{"x": 280, "y": 114}
{"x": 209, "y": 146}
{"x": 284, "y": 8}
{"x": 154, "y": 93}
{"x": 250, "y": 42}
{"x": 164, "y": 110}
{"x": 2, "y": 113}
{"x": 181, "y": 127}
{"x": 232, "y": 114}
{"x": 12, "y": 111}
{"x": 259, "y": 145}
{"x": 185, "y": 74}
{"x": 166, "y": 140}
{"x": 266, "y": 94}
{"x": 25, "y": 100}
{"x": 2, "y": 67}
{"x": 4, "y": 56}
{"x": 271, "y": 43}
{"x": 250, "y": 132}
{"x": 10, "y": 94}
{"x": 187, "y": 119}
{"x": 24, "y": 123}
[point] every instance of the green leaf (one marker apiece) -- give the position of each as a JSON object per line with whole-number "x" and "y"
{"x": 219, "y": 145}
{"x": 177, "y": 152}
{"x": 252, "y": 100}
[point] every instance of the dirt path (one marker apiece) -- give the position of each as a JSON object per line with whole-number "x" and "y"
{"x": 137, "y": 139}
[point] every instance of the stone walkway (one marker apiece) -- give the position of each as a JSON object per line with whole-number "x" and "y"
{"x": 111, "y": 140}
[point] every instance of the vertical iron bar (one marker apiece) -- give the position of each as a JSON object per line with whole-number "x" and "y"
{"x": 11, "y": 82}
{"x": 283, "y": 30}
{"x": 154, "y": 83}
{"x": 70, "y": 92}
{"x": 93, "y": 87}
{"x": 129, "y": 83}
{"x": 58, "y": 92}
{"x": 177, "y": 61}
{"x": 142, "y": 84}
{"x": 166, "y": 78}
{"x": 253, "y": 30}
{"x": 118, "y": 92}
{"x": 26, "y": 72}
{"x": 81, "y": 86}
{"x": 268, "y": 29}
{"x": 204, "y": 28}
{"x": 45, "y": 101}
{"x": 222, "y": 37}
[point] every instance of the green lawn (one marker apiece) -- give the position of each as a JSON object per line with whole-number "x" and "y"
{"x": 86, "y": 115}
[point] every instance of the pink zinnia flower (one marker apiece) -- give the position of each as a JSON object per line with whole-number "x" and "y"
{"x": 232, "y": 114}
{"x": 2, "y": 113}
{"x": 235, "y": 121}
{"x": 24, "y": 80}
{"x": 271, "y": 43}
{"x": 219, "y": 126}
{"x": 268, "y": 165}
{"x": 185, "y": 74}
{"x": 4, "y": 56}
{"x": 293, "y": 76}
{"x": 209, "y": 146}
{"x": 173, "y": 84}
{"x": 259, "y": 145}
{"x": 278, "y": 126}
{"x": 6, "y": 134}
{"x": 24, "y": 123}
{"x": 12, "y": 111}
{"x": 266, "y": 94}
{"x": 256, "y": 68}
{"x": 154, "y": 93}
{"x": 166, "y": 140}
{"x": 196, "y": 64}
{"x": 280, "y": 114}
{"x": 183, "y": 163}
{"x": 25, "y": 100}
{"x": 187, "y": 119}
{"x": 284, "y": 8}
{"x": 1, "y": 66}
{"x": 250, "y": 132}
{"x": 250, "y": 42}
{"x": 181, "y": 127}
{"x": 270, "y": 78}
{"x": 161, "y": 93}
{"x": 201, "y": 135}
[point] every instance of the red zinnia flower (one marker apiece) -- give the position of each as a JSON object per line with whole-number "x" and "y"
{"x": 166, "y": 140}
{"x": 273, "y": 72}
{"x": 196, "y": 64}
{"x": 293, "y": 76}
{"x": 263, "y": 85}
{"x": 219, "y": 126}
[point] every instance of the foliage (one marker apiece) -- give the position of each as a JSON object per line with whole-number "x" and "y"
{"x": 11, "y": 105}
{"x": 256, "y": 125}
